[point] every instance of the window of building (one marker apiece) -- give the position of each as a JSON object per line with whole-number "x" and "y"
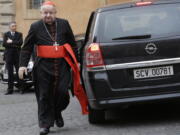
{"x": 34, "y": 4}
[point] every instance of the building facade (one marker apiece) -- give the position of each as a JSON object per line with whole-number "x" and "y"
{"x": 25, "y": 12}
{"x": 7, "y": 14}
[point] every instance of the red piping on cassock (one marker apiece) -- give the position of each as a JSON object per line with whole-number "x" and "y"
{"x": 65, "y": 51}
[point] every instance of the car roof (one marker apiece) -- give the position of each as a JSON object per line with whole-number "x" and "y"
{"x": 132, "y": 4}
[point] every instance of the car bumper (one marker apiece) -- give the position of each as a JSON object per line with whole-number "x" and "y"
{"x": 26, "y": 82}
{"x": 119, "y": 102}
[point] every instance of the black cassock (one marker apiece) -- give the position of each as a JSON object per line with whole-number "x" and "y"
{"x": 51, "y": 75}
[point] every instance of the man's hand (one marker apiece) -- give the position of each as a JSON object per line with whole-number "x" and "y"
{"x": 21, "y": 72}
{"x": 9, "y": 40}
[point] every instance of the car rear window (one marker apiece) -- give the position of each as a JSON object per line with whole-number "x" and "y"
{"x": 155, "y": 20}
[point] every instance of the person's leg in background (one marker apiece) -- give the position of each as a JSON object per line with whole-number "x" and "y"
{"x": 10, "y": 89}
{"x": 19, "y": 81}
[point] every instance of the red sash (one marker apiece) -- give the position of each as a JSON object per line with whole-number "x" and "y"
{"x": 65, "y": 51}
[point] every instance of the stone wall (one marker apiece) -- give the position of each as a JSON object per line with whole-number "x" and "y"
{"x": 7, "y": 15}
{"x": 76, "y": 11}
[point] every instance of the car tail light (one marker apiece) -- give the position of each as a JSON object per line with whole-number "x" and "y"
{"x": 94, "y": 56}
{"x": 145, "y": 3}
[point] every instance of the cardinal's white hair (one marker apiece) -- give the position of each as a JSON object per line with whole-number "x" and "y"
{"x": 47, "y": 6}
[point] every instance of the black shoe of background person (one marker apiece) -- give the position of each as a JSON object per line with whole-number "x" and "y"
{"x": 44, "y": 131}
{"x": 9, "y": 91}
{"x": 59, "y": 120}
{"x": 21, "y": 91}
{"x": 21, "y": 87}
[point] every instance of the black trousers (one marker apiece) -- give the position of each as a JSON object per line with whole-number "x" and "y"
{"x": 12, "y": 60}
{"x": 11, "y": 77}
{"x": 51, "y": 86}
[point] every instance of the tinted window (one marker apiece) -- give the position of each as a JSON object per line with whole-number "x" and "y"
{"x": 156, "y": 20}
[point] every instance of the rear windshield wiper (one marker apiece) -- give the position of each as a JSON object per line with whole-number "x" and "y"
{"x": 133, "y": 37}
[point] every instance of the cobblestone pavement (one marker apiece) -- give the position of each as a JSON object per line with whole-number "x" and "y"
{"x": 18, "y": 116}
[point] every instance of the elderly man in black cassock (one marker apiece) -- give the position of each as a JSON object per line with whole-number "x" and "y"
{"x": 52, "y": 75}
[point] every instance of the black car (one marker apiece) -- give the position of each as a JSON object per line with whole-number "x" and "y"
{"x": 79, "y": 42}
{"x": 131, "y": 54}
{"x": 1, "y": 46}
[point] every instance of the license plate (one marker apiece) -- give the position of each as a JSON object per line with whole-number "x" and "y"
{"x": 153, "y": 72}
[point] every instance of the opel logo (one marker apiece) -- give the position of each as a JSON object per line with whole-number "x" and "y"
{"x": 151, "y": 48}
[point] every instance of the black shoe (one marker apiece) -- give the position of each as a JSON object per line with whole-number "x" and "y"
{"x": 59, "y": 121}
{"x": 9, "y": 92}
{"x": 44, "y": 131}
{"x": 21, "y": 92}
